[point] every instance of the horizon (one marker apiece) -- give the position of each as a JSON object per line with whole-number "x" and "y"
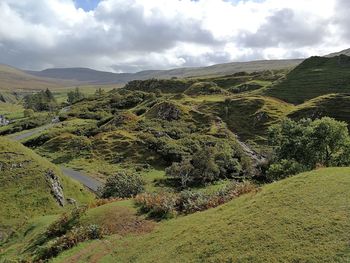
{"x": 136, "y": 35}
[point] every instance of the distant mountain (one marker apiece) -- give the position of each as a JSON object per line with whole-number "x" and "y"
{"x": 91, "y": 76}
{"x": 343, "y": 52}
{"x": 12, "y": 79}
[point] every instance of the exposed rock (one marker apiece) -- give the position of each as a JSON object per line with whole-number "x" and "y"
{"x": 166, "y": 111}
{"x": 71, "y": 201}
{"x": 56, "y": 187}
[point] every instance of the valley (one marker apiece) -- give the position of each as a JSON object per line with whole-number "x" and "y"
{"x": 221, "y": 164}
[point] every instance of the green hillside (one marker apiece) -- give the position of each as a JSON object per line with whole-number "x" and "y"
{"x": 301, "y": 219}
{"x": 314, "y": 77}
{"x": 27, "y": 186}
{"x": 333, "y": 105}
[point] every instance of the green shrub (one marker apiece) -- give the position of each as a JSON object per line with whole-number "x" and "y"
{"x": 123, "y": 185}
{"x": 283, "y": 169}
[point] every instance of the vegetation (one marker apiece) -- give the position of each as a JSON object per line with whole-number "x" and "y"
{"x": 42, "y": 101}
{"x": 314, "y": 77}
{"x": 303, "y": 218}
{"x": 122, "y": 185}
{"x": 74, "y": 96}
{"x": 306, "y": 144}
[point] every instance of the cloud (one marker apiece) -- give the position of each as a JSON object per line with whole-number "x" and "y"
{"x": 133, "y": 35}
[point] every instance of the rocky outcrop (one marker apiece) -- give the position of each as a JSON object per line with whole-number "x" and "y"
{"x": 56, "y": 187}
{"x": 166, "y": 111}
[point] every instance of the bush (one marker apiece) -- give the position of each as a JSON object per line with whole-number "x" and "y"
{"x": 122, "y": 185}
{"x": 283, "y": 169}
{"x": 69, "y": 240}
{"x": 28, "y": 113}
{"x": 157, "y": 205}
{"x": 166, "y": 205}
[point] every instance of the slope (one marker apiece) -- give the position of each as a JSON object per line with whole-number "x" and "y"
{"x": 316, "y": 76}
{"x": 301, "y": 219}
{"x": 31, "y": 186}
{"x": 336, "y": 106}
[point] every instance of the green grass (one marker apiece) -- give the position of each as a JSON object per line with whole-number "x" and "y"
{"x": 316, "y": 76}
{"x": 333, "y": 105}
{"x": 24, "y": 191}
{"x": 11, "y": 111}
{"x": 300, "y": 219}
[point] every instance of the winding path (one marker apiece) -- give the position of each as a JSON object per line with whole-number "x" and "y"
{"x": 84, "y": 179}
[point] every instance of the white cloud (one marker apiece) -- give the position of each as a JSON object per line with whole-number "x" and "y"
{"x": 124, "y": 35}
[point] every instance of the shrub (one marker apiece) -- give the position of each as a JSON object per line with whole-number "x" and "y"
{"x": 122, "y": 184}
{"x": 283, "y": 169}
{"x": 166, "y": 205}
{"x": 157, "y": 205}
{"x": 69, "y": 240}
{"x": 28, "y": 113}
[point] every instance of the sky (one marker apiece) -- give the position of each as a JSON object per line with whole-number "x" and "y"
{"x": 135, "y": 35}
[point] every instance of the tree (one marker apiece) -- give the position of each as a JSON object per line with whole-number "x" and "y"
{"x": 42, "y": 101}
{"x": 123, "y": 185}
{"x": 74, "y": 96}
{"x": 182, "y": 170}
{"x": 307, "y": 143}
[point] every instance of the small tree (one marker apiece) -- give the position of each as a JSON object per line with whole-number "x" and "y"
{"x": 182, "y": 171}
{"x": 74, "y": 96}
{"x": 123, "y": 185}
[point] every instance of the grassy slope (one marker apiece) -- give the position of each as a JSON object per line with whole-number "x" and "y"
{"x": 333, "y": 105}
{"x": 316, "y": 76}
{"x": 24, "y": 190}
{"x": 301, "y": 219}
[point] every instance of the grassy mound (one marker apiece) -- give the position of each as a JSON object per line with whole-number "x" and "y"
{"x": 336, "y": 106}
{"x": 248, "y": 116}
{"x": 314, "y": 77}
{"x": 25, "y": 190}
{"x": 301, "y": 219}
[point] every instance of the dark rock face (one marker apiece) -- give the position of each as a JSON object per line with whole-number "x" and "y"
{"x": 56, "y": 187}
{"x": 167, "y": 111}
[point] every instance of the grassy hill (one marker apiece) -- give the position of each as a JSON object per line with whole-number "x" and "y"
{"x": 333, "y": 105}
{"x": 314, "y": 77}
{"x": 300, "y": 219}
{"x": 26, "y": 190}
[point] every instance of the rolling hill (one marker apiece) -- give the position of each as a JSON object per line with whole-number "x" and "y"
{"x": 12, "y": 79}
{"x": 301, "y": 219}
{"x": 99, "y": 77}
{"x": 314, "y": 77}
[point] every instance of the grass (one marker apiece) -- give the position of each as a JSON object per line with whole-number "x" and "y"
{"x": 300, "y": 219}
{"x": 315, "y": 77}
{"x": 333, "y": 105}
{"x": 11, "y": 111}
{"x": 24, "y": 191}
